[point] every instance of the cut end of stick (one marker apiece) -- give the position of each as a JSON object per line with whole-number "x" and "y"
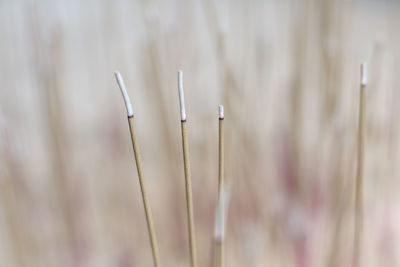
{"x": 221, "y": 111}
{"x": 221, "y": 214}
{"x": 122, "y": 87}
{"x": 364, "y": 76}
{"x": 181, "y": 96}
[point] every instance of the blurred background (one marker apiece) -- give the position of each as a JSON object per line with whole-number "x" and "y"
{"x": 288, "y": 75}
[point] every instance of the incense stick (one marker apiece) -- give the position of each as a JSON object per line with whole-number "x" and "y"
{"x": 219, "y": 251}
{"x": 360, "y": 165}
{"x": 221, "y": 146}
{"x": 138, "y": 159}
{"x": 188, "y": 181}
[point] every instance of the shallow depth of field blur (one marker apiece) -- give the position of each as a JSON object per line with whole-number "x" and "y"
{"x": 287, "y": 73}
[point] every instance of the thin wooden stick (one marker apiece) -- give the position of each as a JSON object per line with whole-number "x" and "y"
{"x": 221, "y": 146}
{"x": 188, "y": 181}
{"x": 360, "y": 165}
{"x": 138, "y": 159}
{"x": 219, "y": 246}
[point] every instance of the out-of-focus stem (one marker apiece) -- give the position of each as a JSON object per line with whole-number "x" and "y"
{"x": 359, "y": 175}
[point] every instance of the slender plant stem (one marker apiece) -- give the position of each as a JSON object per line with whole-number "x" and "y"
{"x": 188, "y": 179}
{"x": 139, "y": 166}
{"x": 359, "y": 175}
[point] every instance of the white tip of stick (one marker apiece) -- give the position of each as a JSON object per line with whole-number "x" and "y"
{"x": 122, "y": 87}
{"x": 364, "y": 76}
{"x": 221, "y": 111}
{"x": 221, "y": 214}
{"x": 181, "y": 96}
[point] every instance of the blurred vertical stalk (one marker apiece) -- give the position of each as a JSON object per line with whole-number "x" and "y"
{"x": 342, "y": 199}
{"x": 300, "y": 28}
{"x": 188, "y": 179}
{"x": 229, "y": 88}
{"x": 154, "y": 56}
{"x": 330, "y": 20}
{"x": 48, "y": 50}
{"x": 358, "y": 224}
{"x": 139, "y": 166}
{"x": 9, "y": 200}
{"x": 48, "y": 70}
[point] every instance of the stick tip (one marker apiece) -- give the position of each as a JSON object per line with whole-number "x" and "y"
{"x": 364, "y": 76}
{"x": 181, "y": 96}
{"x": 221, "y": 111}
{"x": 122, "y": 87}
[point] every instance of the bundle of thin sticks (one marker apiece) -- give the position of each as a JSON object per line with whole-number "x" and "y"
{"x": 223, "y": 192}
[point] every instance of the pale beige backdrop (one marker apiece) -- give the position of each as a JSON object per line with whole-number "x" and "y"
{"x": 286, "y": 71}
